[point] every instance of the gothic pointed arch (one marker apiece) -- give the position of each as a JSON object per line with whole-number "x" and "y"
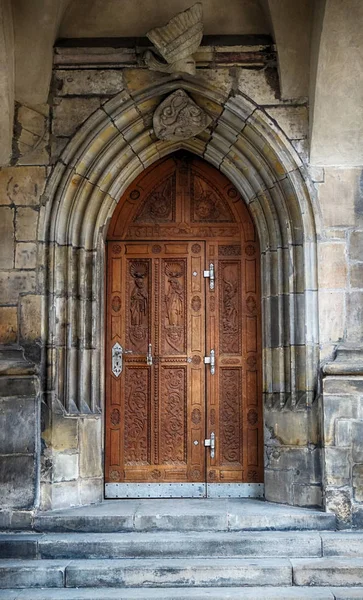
{"x": 116, "y": 144}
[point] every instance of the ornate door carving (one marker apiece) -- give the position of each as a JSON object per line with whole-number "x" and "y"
{"x": 186, "y": 215}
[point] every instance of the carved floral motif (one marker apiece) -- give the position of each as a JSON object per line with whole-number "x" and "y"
{"x": 116, "y": 304}
{"x": 196, "y": 416}
{"x": 196, "y": 303}
{"x": 230, "y": 416}
{"x": 229, "y": 310}
{"x": 115, "y": 416}
{"x": 173, "y": 416}
{"x": 252, "y": 417}
{"x": 159, "y": 205}
{"x": 136, "y": 416}
{"x": 207, "y": 204}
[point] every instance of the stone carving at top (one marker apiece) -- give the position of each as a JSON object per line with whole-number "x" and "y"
{"x": 177, "y": 42}
{"x": 178, "y": 117}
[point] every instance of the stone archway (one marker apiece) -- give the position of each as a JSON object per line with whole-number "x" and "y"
{"x": 114, "y": 145}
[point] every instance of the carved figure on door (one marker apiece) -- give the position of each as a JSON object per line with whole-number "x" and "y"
{"x": 230, "y": 313}
{"x": 174, "y": 302}
{"x": 139, "y": 298}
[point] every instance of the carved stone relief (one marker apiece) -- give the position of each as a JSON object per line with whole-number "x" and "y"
{"x": 177, "y": 41}
{"x": 178, "y": 117}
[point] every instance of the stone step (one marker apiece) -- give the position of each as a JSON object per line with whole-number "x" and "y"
{"x": 184, "y": 515}
{"x": 145, "y": 573}
{"x": 339, "y": 571}
{"x": 162, "y": 545}
{"x": 249, "y": 593}
{"x": 339, "y": 543}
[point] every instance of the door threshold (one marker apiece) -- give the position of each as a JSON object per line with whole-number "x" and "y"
{"x": 184, "y": 490}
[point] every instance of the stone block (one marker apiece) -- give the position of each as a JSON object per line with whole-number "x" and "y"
{"x": 33, "y": 574}
{"x": 261, "y": 86}
{"x": 327, "y": 571}
{"x": 62, "y": 434}
{"x": 357, "y": 440}
{"x": 88, "y": 82}
{"x": 337, "y": 467}
{"x": 7, "y": 237}
{"x": 26, "y": 255}
{"x": 337, "y": 196}
{"x": 91, "y": 490}
{"x": 63, "y": 494}
{"x": 18, "y": 425}
{"x": 334, "y": 408}
{"x": 343, "y": 385}
{"x": 22, "y": 186}
{"x": 8, "y": 324}
{"x": 343, "y": 433}
{"x": 358, "y": 482}
{"x": 287, "y": 427}
{"x": 356, "y": 275}
{"x": 293, "y": 120}
{"x": 30, "y": 318}
{"x": 26, "y": 224}
{"x": 32, "y": 135}
{"x": 356, "y": 246}
{"x": 339, "y": 501}
{"x": 355, "y": 316}
{"x": 14, "y": 283}
{"x": 89, "y": 447}
{"x": 332, "y": 265}
{"x": 307, "y": 495}
{"x": 65, "y": 466}
{"x": 278, "y": 486}
{"x": 70, "y": 113}
{"x": 219, "y": 78}
{"x": 331, "y": 315}
{"x": 18, "y": 478}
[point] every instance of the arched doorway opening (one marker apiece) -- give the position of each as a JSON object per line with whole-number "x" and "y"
{"x": 183, "y": 343}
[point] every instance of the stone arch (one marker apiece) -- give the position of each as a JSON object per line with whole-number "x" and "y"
{"x": 114, "y": 145}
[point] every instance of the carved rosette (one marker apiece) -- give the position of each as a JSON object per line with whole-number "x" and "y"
{"x": 178, "y": 117}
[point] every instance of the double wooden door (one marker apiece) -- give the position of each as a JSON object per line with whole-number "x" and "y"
{"x": 177, "y": 356}
{"x": 183, "y": 346}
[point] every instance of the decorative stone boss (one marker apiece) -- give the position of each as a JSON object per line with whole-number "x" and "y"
{"x": 178, "y": 117}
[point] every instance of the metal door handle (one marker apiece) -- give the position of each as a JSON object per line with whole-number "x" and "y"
{"x": 211, "y": 360}
{"x": 211, "y": 443}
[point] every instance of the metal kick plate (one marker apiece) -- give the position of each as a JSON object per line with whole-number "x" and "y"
{"x": 184, "y": 490}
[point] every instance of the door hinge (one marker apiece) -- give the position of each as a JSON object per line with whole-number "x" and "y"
{"x": 211, "y": 360}
{"x": 211, "y": 443}
{"x": 210, "y": 274}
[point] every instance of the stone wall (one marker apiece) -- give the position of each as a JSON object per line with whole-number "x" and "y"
{"x": 296, "y": 441}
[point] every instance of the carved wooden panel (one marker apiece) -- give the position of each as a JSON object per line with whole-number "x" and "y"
{"x": 185, "y": 215}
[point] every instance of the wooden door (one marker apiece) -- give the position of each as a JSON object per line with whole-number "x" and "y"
{"x": 156, "y": 414}
{"x": 181, "y": 215}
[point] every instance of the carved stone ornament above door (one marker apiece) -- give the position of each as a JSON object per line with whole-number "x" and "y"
{"x": 178, "y": 117}
{"x": 176, "y": 42}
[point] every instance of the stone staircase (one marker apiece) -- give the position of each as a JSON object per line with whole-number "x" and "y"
{"x": 182, "y": 549}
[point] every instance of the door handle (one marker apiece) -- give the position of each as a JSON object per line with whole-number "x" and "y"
{"x": 117, "y": 358}
{"x": 211, "y": 360}
{"x": 211, "y": 443}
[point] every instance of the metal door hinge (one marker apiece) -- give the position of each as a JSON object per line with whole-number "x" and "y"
{"x": 211, "y": 360}
{"x": 211, "y": 443}
{"x": 210, "y": 274}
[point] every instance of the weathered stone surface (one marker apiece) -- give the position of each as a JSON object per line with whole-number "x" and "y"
{"x": 88, "y": 82}
{"x": 337, "y": 196}
{"x": 336, "y": 407}
{"x": 62, "y": 434}
{"x": 332, "y": 266}
{"x": 327, "y": 571}
{"x": 65, "y": 466}
{"x": 293, "y": 120}
{"x": 8, "y": 324}
{"x": 308, "y": 495}
{"x": 347, "y": 543}
{"x": 26, "y": 224}
{"x": 278, "y": 486}
{"x": 18, "y": 425}
{"x": 356, "y": 275}
{"x": 331, "y": 315}
{"x": 22, "y": 186}
{"x": 6, "y": 237}
{"x": 356, "y": 245}
{"x": 355, "y": 316}
{"x": 357, "y": 472}
{"x": 17, "y": 476}
{"x": 178, "y": 117}
{"x": 30, "y": 318}
{"x": 90, "y": 439}
{"x": 357, "y": 437}
{"x": 28, "y": 574}
{"x": 242, "y": 572}
{"x": 14, "y": 283}
{"x": 31, "y": 135}
{"x": 26, "y": 255}
{"x": 70, "y": 113}
{"x": 337, "y": 466}
{"x": 339, "y": 501}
